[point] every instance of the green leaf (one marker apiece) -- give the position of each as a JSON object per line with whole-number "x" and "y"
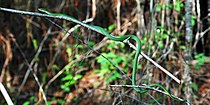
{"x": 118, "y": 59}
{"x": 44, "y": 77}
{"x": 194, "y": 86}
{"x": 49, "y": 102}
{"x": 160, "y": 44}
{"x": 77, "y": 76}
{"x": 67, "y": 67}
{"x": 122, "y": 45}
{"x": 68, "y": 77}
{"x": 56, "y": 67}
{"x": 77, "y": 56}
{"x": 179, "y": 5}
{"x": 35, "y": 44}
{"x": 65, "y": 88}
{"x": 170, "y": 6}
{"x": 165, "y": 35}
{"x": 101, "y": 60}
{"x": 61, "y": 101}
{"x": 32, "y": 98}
{"x": 193, "y": 18}
{"x": 111, "y": 55}
{"x": 26, "y": 103}
{"x": 104, "y": 71}
{"x": 111, "y": 45}
{"x": 72, "y": 82}
{"x": 199, "y": 55}
{"x": 80, "y": 46}
{"x": 90, "y": 43}
{"x": 69, "y": 83}
{"x": 68, "y": 50}
{"x": 197, "y": 67}
{"x": 158, "y": 8}
{"x": 182, "y": 47}
{"x": 111, "y": 27}
{"x": 113, "y": 77}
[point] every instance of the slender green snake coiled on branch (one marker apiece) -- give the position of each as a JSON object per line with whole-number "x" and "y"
{"x": 104, "y": 32}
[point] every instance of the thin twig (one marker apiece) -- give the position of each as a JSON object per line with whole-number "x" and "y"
{"x": 30, "y": 69}
{"x": 5, "y": 94}
{"x": 152, "y": 61}
{"x": 161, "y": 68}
{"x": 118, "y": 16}
{"x": 151, "y": 88}
{"x": 68, "y": 33}
{"x": 33, "y": 61}
{"x": 200, "y": 35}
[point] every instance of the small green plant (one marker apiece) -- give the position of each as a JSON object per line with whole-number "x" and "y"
{"x": 69, "y": 79}
{"x": 193, "y": 20}
{"x": 35, "y": 44}
{"x": 117, "y": 58}
{"x": 194, "y": 86}
{"x": 29, "y": 101}
{"x": 161, "y": 35}
{"x": 201, "y": 58}
{"x": 61, "y": 101}
{"x": 178, "y": 5}
{"x": 106, "y": 67}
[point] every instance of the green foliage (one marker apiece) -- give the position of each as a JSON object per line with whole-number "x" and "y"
{"x": 160, "y": 44}
{"x": 58, "y": 100}
{"x": 69, "y": 79}
{"x": 201, "y": 58}
{"x": 111, "y": 27}
{"x": 56, "y": 67}
{"x": 29, "y": 101}
{"x": 178, "y": 5}
{"x": 61, "y": 101}
{"x": 106, "y": 67}
{"x": 158, "y": 8}
{"x": 80, "y": 46}
{"x": 44, "y": 77}
{"x": 161, "y": 35}
{"x": 193, "y": 20}
{"x": 182, "y": 47}
{"x": 35, "y": 44}
{"x": 68, "y": 50}
{"x": 194, "y": 86}
{"x": 91, "y": 44}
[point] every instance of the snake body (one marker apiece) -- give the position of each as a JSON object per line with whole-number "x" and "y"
{"x": 104, "y": 32}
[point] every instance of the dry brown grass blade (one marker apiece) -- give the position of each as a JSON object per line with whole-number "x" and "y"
{"x": 5, "y": 42}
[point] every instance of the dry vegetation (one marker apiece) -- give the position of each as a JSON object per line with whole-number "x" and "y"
{"x": 71, "y": 73}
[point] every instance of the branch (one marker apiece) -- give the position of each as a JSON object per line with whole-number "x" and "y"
{"x": 147, "y": 87}
{"x": 5, "y": 94}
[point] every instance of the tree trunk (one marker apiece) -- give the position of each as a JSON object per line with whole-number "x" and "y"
{"x": 187, "y": 55}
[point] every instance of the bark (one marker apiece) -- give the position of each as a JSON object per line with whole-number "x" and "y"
{"x": 187, "y": 55}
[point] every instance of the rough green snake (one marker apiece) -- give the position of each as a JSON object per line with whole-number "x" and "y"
{"x": 104, "y": 32}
